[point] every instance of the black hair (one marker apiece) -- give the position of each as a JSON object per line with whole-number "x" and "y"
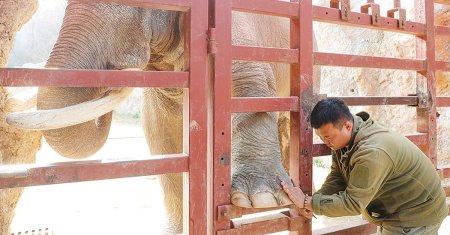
{"x": 330, "y": 110}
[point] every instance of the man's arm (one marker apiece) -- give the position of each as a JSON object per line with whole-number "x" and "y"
{"x": 334, "y": 182}
{"x": 365, "y": 180}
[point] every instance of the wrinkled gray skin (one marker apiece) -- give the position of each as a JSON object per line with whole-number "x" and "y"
{"x": 101, "y": 36}
{"x": 16, "y": 146}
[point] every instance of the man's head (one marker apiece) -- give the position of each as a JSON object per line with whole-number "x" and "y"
{"x": 332, "y": 122}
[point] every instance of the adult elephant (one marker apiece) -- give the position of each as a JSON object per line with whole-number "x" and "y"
{"x": 16, "y": 145}
{"x": 107, "y": 36}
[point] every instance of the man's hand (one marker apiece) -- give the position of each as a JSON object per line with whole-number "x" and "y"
{"x": 306, "y": 213}
{"x": 295, "y": 194}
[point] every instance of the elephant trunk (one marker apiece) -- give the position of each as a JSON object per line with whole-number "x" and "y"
{"x": 76, "y": 48}
{"x": 80, "y": 140}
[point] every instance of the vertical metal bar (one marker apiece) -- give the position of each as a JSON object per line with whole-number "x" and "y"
{"x": 198, "y": 117}
{"x": 222, "y": 111}
{"x": 302, "y": 86}
{"x": 425, "y": 49}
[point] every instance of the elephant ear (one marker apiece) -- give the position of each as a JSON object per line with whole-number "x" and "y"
{"x": 81, "y": 140}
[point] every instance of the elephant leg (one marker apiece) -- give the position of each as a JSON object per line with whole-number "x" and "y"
{"x": 8, "y": 203}
{"x": 162, "y": 116}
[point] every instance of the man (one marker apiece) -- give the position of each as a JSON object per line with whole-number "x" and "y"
{"x": 375, "y": 172}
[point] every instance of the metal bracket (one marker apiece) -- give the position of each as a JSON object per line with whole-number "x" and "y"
{"x": 375, "y": 11}
{"x": 421, "y": 100}
{"x": 343, "y": 5}
{"x": 401, "y": 14}
{"x": 212, "y": 43}
{"x": 228, "y": 212}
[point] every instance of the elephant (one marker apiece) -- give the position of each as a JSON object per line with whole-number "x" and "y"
{"x": 114, "y": 37}
{"x": 16, "y": 145}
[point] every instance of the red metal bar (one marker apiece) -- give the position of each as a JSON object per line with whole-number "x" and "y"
{"x": 320, "y": 149}
{"x": 280, "y": 55}
{"x": 199, "y": 91}
{"x": 331, "y": 15}
{"x": 263, "y": 227}
{"x": 267, "y": 7}
{"x": 444, "y": 2}
{"x": 426, "y": 118}
{"x": 222, "y": 113}
{"x": 443, "y": 66}
{"x": 13, "y": 176}
{"x": 331, "y": 59}
{"x": 379, "y": 100}
{"x": 443, "y": 101}
{"x": 92, "y": 78}
{"x": 305, "y": 72}
{"x": 264, "y": 104}
{"x": 172, "y": 5}
{"x": 442, "y": 30}
{"x": 353, "y": 227}
{"x": 446, "y": 172}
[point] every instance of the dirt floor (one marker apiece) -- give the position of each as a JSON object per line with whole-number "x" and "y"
{"x": 113, "y": 207}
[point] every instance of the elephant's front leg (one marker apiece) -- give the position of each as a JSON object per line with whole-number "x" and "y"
{"x": 256, "y": 156}
{"x": 162, "y": 117}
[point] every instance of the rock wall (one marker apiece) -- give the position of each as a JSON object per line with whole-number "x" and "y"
{"x": 338, "y": 81}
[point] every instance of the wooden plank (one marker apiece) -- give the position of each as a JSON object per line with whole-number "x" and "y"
{"x": 92, "y": 78}
{"x": 281, "y": 55}
{"x": 13, "y": 176}
{"x": 357, "y": 61}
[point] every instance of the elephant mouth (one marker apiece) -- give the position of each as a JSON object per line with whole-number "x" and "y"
{"x": 63, "y": 117}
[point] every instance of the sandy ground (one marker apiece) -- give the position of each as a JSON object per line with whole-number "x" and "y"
{"x": 113, "y": 207}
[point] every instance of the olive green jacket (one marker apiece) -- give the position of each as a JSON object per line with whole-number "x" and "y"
{"x": 383, "y": 176}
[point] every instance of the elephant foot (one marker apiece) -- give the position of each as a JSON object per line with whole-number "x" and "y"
{"x": 259, "y": 192}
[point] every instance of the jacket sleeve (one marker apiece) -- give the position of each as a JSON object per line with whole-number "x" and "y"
{"x": 334, "y": 182}
{"x": 370, "y": 170}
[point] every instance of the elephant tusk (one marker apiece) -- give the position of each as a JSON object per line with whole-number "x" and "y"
{"x": 71, "y": 115}
{"x": 21, "y": 101}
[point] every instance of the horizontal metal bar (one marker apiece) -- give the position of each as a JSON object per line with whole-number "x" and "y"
{"x": 442, "y": 101}
{"x": 12, "y": 176}
{"x": 445, "y": 2}
{"x": 262, "y": 227}
{"x": 267, "y": 7}
{"x": 92, "y": 78}
{"x": 264, "y": 104}
{"x": 443, "y": 66}
{"x": 332, "y": 15}
{"x": 280, "y": 55}
{"x": 379, "y": 100}
{"x": 350, "y": 227}
{"x": 442, "y": 30}
{"x": 320, "y": 149}
{"x": 172, "y": 5}
{"x": 331, "y": 59}
{"x": 446, "y": 172}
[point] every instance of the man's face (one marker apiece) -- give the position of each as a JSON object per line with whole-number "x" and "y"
{"x": 334, "y": 137}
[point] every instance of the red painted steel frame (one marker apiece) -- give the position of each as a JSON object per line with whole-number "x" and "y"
{"x": 222, "y": 115}
{"x": 198, "y": 126}
{"x": 426, "y": 117}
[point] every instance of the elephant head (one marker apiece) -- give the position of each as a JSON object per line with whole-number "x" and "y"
{"x": 107, "y": 36}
